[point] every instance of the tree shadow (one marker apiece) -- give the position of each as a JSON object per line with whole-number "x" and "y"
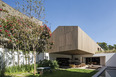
{"x": 2, "y": 66}
{"x": 2, "y": 63}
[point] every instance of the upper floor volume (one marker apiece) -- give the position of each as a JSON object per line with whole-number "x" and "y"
{"x": 72, "y": 40}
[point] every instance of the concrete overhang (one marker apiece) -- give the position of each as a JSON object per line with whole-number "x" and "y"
{"x": 72, "y": 40}
{"x": 71, "y": 52}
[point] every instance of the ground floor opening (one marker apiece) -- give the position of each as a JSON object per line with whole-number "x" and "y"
{"x": 63, "y": 61}
{"x": 93, "y": 60}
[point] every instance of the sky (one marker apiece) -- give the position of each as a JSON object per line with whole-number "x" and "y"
{"x": 95, "y": 17}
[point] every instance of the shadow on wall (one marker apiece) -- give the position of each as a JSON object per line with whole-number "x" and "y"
{"x": 11, "y": 58}
{"x": 111, "y": 59}
{"x": 2, "y": 64}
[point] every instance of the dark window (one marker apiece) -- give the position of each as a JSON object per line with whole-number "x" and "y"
{"x": 93, "y": 60}
{"x": 98, "y": 49}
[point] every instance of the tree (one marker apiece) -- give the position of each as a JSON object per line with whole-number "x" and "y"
{"x": 115, "y": 46}
{"x": 103, "y": 45}
{"x": 24, "y": 32}
{"x": 12, "y": 28}
{"x": 39, "y": 38}
{"x": 110, "y": 47}
{"x": 34, "y": 8}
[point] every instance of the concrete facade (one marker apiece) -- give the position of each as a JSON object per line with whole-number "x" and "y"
{"x": 14, "y": 12}
{"x": 68, "y": 41}
{"x": 72, "y": 40}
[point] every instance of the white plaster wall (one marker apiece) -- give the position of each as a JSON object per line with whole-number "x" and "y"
{"x": 40, "y": 57}
{"x": 7, "y": 57}
{"x": 46, "y": 56}
{"x": 110, "y": 58}
{"x": 102, "y": 60}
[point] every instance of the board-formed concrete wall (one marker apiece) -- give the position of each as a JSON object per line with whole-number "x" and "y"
{"x": 85, "y": 43}
{"x": 64, "y": 39}
{"x": 14, "y": 12}
{"x": 72, "y": 40}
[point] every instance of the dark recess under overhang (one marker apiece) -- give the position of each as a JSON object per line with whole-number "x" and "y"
{"x": 71, "y": 52}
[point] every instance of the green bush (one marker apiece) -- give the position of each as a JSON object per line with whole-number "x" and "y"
{"x": 48, "y": 63}
{"x": 30, "y": 68}
{"x": 21, "y": 68}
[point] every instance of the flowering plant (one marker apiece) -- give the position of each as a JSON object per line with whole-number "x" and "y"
{"x": 0, "y": 9}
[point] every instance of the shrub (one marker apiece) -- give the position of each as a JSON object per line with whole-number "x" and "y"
{"x": 48, "y": 63}
{"x": 21, "y": 68}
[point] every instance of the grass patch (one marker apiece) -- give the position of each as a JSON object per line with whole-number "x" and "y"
{"x": 71, "y": 73}
{"x": 58, "y": 73}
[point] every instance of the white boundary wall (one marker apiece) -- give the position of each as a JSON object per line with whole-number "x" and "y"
{"x": 7, "y": 57}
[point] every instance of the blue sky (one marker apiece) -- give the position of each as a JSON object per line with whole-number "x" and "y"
{"x": 96, "y": 17}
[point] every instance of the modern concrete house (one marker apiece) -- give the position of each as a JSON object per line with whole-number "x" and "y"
{"x": 73, "y": 45}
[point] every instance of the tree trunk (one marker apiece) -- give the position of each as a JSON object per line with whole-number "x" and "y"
{"x": 26, "y": 58}
{"x": 18, "y": 56}
{"x": 13, "y": 56}
{"x": 29, "y": 57}
{"x": 34, "y": 59}
{"x": 25, "y": 53}
{"x": 3, "y": 65}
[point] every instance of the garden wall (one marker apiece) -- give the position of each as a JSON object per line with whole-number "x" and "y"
{"x": 7, "y": 57}
{"x": 11, "y": 11}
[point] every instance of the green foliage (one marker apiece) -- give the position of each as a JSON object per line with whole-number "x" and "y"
{"x": 3, "y": 5}
{"x": 59, "y": 73}
{"x": 107, "y": 48}
{"x": 48, "y": 63}
{"x": 32, "y": 8}
{"x": 115, "y": 46}
{"x": 0, "y": 72}
{"x": 22, "y": 68}
{"x": 110, "y": 47}
{"x": 103, "y": 45}
{"x": 25, "y": 34}
{"x": 6, "y": 11}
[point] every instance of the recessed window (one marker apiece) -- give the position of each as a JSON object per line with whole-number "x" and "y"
{"x": 98, "y": 49}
